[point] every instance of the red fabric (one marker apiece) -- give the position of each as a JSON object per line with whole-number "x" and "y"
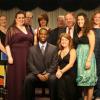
{"x": 1, "y": 81}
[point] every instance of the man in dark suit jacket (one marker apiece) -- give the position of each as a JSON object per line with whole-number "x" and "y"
{"x": 54, "y": 34}
{"x": 64, "y": 23}
{"x": 28, "y": 21}
{"x": 43, "y": 65}
{"x": 70, "y": 25}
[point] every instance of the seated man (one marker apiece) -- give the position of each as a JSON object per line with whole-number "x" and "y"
{"x": 42, "y": 62}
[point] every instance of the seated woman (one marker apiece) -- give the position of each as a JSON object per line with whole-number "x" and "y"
{"x": 67, "y": 57}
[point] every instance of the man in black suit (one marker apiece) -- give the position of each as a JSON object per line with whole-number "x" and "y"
{"x": 70, "y": 25}
{"x": 28, "y": 21}
{"x": 43, "y": 66}
{"x": 65, "y": 24}
{"x": 54, "y": 34}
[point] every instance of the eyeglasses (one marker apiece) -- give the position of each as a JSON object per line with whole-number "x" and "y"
{"x": 29, "y": 17}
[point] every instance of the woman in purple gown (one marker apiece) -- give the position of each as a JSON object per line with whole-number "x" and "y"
{"x": 18, "y": 41}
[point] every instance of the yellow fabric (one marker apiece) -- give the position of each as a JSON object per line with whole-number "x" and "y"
{"x": 2, "y": 73}
{"x": 2, "y": 70}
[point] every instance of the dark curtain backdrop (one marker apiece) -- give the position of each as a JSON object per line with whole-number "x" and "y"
{"x": 50, "y": 5}
{"x": 51, "y": 14}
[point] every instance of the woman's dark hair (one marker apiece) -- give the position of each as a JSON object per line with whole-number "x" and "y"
{"x": 11, "y": 30}
{"x": 19, "y": 12}
{"x": 86, "y": 26}
{"x": 43, "y": 16}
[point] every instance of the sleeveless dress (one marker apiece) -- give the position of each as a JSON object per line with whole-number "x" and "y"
{"x": 97, "y": 55}
{"x": 3, "y": 62}
{"x": 85, "y": 77}
{"x": 97, "y": 49}
{"x": 3, "y": 56}
{"x": 66, "y": 82}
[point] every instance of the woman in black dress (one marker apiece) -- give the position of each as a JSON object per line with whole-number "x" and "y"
{"x": 96, "y": 27}
{"x": 3, "y": 56}
{"x": 3, "y": 30}
{"x": 67, "y": 57}
{"x": 18, "y": 42}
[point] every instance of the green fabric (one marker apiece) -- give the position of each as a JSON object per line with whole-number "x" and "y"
{"x": 85, "y": 77}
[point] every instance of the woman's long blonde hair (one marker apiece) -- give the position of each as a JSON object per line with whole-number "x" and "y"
{"x": 67, "y": 36}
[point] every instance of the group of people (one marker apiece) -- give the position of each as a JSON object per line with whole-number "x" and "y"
{"x": 65, "y": 58}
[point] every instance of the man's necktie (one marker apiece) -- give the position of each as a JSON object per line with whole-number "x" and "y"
{"x": 30, "y": 29}
{"x": 42, "y": 49}
{"x": 69, "y": 31}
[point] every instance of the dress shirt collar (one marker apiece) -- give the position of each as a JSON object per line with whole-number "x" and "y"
{"x": 43, "y": 44}
{"x": 71, "y": 30}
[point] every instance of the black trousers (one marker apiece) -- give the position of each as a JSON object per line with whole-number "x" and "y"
{"x": 31, "y": 81}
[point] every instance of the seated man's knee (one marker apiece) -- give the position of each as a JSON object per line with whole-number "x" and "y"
{"x": 29, "y": 78}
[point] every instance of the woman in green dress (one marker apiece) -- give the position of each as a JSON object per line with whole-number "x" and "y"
{"x": 86, "y": 71}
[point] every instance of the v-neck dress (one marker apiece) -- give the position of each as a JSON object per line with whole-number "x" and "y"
{"x": 19, "y": 44}
{"x": 66, "y": 82}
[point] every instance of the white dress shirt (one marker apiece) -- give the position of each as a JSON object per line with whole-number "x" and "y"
{"x": 71, "y": 31}
{"x": 42, "y": 44}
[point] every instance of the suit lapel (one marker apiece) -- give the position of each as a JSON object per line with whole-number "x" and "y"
{"x": 46, "y": 54}
{"x": 41, "y": 56}
{"x": 46, "y": 50}
{"x": 39, "y": 52}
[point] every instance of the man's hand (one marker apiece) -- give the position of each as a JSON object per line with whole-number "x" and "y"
{"x": 46, "y": 76}
{"x": 43, "y": 77}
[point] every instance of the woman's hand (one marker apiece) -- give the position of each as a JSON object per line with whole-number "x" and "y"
{"x": 59, "y": 74}
{"x": 10, "y": 60}
{"x": 88, "y": 64}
